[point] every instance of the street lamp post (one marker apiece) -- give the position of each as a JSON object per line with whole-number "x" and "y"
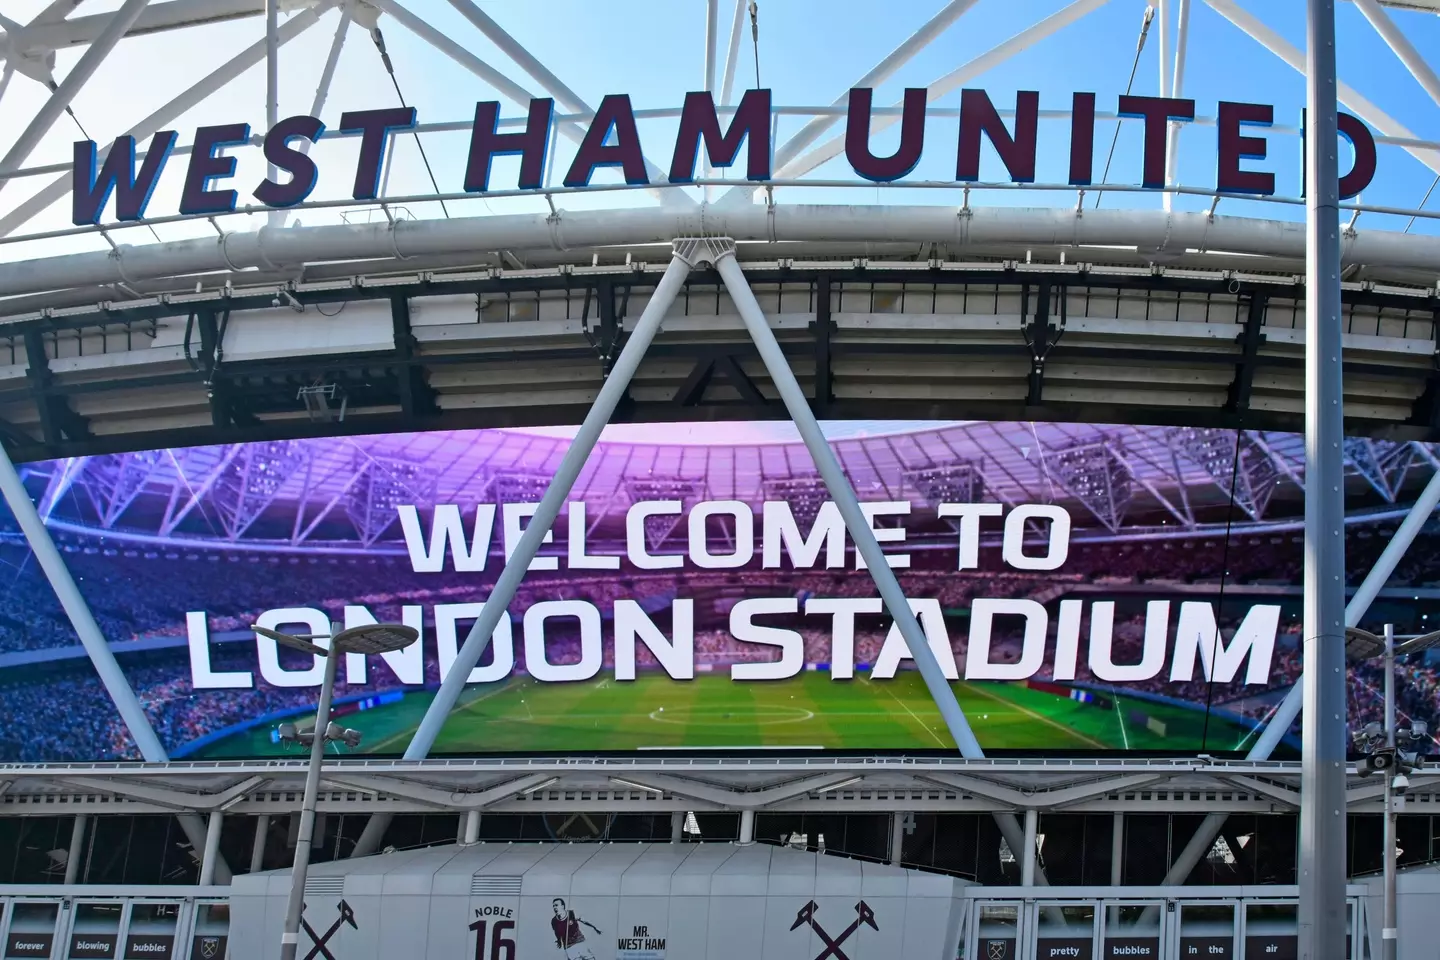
{"x": 366, "y": 640}
{"x": 1386, "y": 760}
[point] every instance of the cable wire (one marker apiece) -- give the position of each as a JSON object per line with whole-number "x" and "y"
{"x": 1139, "y": 46}
{"x": 1423, "y": 201}
{"x": 81, "y": 127}
{"x": 379, "y": 40}
{"x": 755, "y": 38}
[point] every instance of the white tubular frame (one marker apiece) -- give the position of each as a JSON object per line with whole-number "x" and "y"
{"x": 1402, "y": 47}
{"x": 957, "y": 78}
{"x": 40, "y": 124}
{"x": 218, "y": 78}
{"x": 78, "y": 611}
{"x": 1348, "y": 96}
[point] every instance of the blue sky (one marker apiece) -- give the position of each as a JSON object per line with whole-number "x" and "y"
{"x": 811, "y": 51}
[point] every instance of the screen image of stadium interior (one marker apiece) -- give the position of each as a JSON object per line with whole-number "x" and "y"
{"x": 1085, "y": 587}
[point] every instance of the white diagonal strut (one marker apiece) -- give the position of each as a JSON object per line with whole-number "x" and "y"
{"x": 1353, "y": 101}
{"x": 727, "y": 85}
{"x": 1289, "y": 709}
{"x": 1177, "y": 85}
{"x": 509, "y": 88}
{"x": 83, "y": 621}
{"x": 198, "y": 92}
{"x": 40, "y": 124}
{"x": 563, "y": 481}
{"x": 951, "y": 81}
{"x": 1402, "y": 47}
{"x": 866, "y": 545}
{"x": 882, "y": 71}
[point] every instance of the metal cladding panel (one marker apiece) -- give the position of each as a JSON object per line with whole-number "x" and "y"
{"x": 838, "y": 877}
{"x": 516, "y": 860}
{"x": 603, "y": 873}
{"x": 736, "y": 928}
{"x": 454, "y": 879}
{"x": 692, "y": 877}
{"x": 552, "y": 874}
{"x": 883, "y": 880}
{"x": 745, "y": 874}
{"x": 653, "y": 872}
{"x": 620, "y": 902}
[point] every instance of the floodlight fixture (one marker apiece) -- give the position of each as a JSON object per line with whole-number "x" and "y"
{"x": 1416, "y": 644}
{"x": 295, "y": 641}
{"x": 1362, "y": 644}
{"x": 376, "y": 638}
{"x": 368, "y": 639}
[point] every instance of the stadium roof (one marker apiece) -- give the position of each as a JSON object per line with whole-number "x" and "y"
{"x": 1104, "y": 473}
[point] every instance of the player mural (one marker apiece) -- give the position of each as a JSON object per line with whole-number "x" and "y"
{"x": 569, "y": 937}
{"x": 1084, "y": 587}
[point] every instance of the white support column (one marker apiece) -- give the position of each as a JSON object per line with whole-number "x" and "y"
{"x": 897, "y": 838}
{"x": 478, "y": 639}
{"x": 471, "y": 833}
{"x": 712, "y": 42}
{"x": 41, "y": 122}
{"x": 1353, "y": 101}
{"x": 272, "y": 85}
{"x": 1027, "y": 855}
{"x": 78, "y": 612}
{"x": 257, "y": 848}
{"x": 747, "y": 827}
{"x": 790, "y": 164}
{"x": 216, "y": 80}
{"x": 677, "y": 827}
{"x": 1322, "y": 910}
{"x": 1117, "y": 849}
{"x": 77, "y": 848}
{"x": 212, "y": 848}
{"x": 737, "y": 24}
{"x": 1177, "y": 86}
{"x": 528, "y": 62}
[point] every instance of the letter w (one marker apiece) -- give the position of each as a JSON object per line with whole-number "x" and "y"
{"x": 1197, "y": 633}
{"x": 448, "y": 527}
{"x": 90, "y": 193}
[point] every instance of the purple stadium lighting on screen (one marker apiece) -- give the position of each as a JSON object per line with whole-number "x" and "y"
{"x": 1084, "y": 587}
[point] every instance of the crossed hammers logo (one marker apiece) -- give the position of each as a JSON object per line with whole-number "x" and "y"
{"x": 863, "y": 914}
{"x": 347, "y": 915}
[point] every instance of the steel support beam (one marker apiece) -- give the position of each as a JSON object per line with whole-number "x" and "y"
{"x": 79, "y": 75}
{"x": 83, "y": 621}
{"x": 478, "y": 639}
{"x": 1361, "y": 107}
{"x": 732, "y": 56}
{"x": 197, "y": 93}
{"x": 882, "y": 71}
{"x": 1322, "y": 913}
{"x": 858, "y": 526}
{"x": 77, "y": 848}
{"x": 213, "y": 825}
{"x": 1285, "y": 714}
{"x": 1395, "y": 38}
{"x": 1177, "y": 83}
{"x": 51, "y": 31}
{"x": 1027, "y": 855}
{"x": 257, "y": 846}
{"x": 789, "y": 165}
{"x": 272, "y": 87}
{"x": 527, "y": 61}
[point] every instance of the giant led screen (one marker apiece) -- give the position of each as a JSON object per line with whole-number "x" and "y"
{"x": 1084, "y": 588}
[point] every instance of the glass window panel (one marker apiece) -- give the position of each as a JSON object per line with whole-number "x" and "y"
{"x": 32, "y": 930}
{"x": 95, "y": 931}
